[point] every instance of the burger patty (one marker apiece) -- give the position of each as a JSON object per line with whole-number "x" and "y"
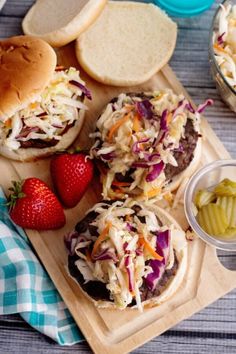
{"x": 97, "y": 289}
{"x": 40, "y": 143}
{"x": 184, "y": 157}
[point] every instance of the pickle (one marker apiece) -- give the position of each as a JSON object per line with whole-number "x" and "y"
{"x": 229, "y": 206}
{"x": 204, "y": 197}
{"x": 212, "y": 219}
{"x": 226, "y": 188}
{"x": 229, "y": 233}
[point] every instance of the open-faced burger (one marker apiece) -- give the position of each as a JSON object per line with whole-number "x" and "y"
{"x": 41, "y": 105}
{"x": 146, "y": 143}
{"x": 127, "y": 254}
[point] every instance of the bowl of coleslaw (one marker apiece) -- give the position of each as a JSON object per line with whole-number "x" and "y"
{"x": 222, "y": 51}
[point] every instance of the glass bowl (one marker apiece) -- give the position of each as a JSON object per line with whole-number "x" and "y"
{"x": 226, "y": 91}
{"x": 206, "y": 177}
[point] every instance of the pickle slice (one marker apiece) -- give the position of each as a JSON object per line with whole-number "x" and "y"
{"x": 226, "y": 188}
{"x": 229, "y": 205}
{"x": 204, "y": 197}
{"x": 212, "y": 219}
{"x": 229, "y": 233}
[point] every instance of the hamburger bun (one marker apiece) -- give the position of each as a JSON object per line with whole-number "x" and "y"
{"x": 27, "y": 65}
{"x": 59, "y": 22}
{"x": 167, "y": 287}
{"x": 127, "y": 44}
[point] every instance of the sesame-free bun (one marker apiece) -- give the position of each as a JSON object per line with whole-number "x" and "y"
{"x": 31, "y": 154}
{"x": 127, "y": 44}
{"x": 59, "y": 22}
{"x": 27, "y": 65}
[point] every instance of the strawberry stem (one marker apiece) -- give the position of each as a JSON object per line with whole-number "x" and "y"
{"x": 17, "y": 193}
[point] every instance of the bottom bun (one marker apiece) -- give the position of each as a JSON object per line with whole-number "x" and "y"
{"x": 179, "y": 244}
{"x": 30, "y": 154}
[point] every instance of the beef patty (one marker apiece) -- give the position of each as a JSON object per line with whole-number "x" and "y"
{"x": 40, "y": 143}
{"x": 184, "y": 157}
{"x": 97, "y": 289}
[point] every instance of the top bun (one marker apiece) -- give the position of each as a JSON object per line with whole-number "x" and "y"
{"x": 128, "y": 43}
{"x": 27, "y": 65}
{"x": 59, "y": 22}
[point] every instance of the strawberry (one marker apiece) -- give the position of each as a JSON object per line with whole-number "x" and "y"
{"x": 71, "y": 175}
{"x": 34, "y": 206}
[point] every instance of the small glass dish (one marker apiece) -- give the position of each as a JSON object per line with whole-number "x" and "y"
{"x": 227, "y": 92}
{"x": 207, "y": 177}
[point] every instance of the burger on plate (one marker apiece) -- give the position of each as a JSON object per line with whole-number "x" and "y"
{"x": 126, "y": 254}
{"x": 146, "y": 143}
{"x": 41, "y": 105}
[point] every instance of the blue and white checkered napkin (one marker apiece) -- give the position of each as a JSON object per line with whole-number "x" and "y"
{"x": 26, "y": 288}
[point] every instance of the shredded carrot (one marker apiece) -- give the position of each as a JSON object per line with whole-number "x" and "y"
{"x": 169, "y": 117}
{"x": 101, "y": 238}
{"x": 168, "y": 197}
{"x": 33, "y": 105}
{"x": 150, "y": 194}
{"x": 217, "y": 47}
{"x": 128, "y": 218}
{"x": 136, "y": 123}
{"x": 88, "y": 256}
{"x": 8, "y": 123}
{"x": 119, "y": 190}
{"x": 117, "y": 126}
{"x": 146, "y": 244}
{"x": 120, "y": 184}
{"x": 129, "y": 107}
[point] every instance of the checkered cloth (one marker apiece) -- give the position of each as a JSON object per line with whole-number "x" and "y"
{"x": 26, "y": 288}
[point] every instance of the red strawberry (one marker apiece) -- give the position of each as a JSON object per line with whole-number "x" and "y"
{"x": 71, "y": 175}
{"x": 34, "y": 206}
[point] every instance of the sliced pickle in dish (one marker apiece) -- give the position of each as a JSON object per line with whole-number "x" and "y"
{"x": 226, "y": 188}
{"x": 212, "y": 219}
{"x": 229, "y": 233}
{"x": 229, "y": 205}
{"x": 204, "y": 197}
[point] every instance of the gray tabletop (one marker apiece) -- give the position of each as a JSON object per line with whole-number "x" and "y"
{"x": 213, "y": 330}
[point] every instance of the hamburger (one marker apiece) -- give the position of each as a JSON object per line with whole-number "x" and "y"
{"x": 41, "y": 105}
{"x": 146, "y": 143}
{"x": 127, "y": 254}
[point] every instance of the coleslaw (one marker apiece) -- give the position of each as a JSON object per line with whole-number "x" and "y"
{"x": 224, "y": 43}
{"x": 50, "y": 115}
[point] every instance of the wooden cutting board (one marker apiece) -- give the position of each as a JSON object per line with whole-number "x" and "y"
{"x": 113, "y": 331}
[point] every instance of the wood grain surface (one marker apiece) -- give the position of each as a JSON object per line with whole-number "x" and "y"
{"x": 213, "y": 330}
